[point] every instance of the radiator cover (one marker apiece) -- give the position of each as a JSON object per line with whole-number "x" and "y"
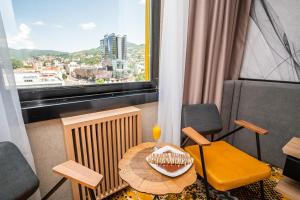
{"x": 98, "y": 141}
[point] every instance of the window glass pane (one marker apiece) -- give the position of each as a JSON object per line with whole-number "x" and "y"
{"x": 78, "y": 42}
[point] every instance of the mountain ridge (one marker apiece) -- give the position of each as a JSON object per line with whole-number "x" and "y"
{"x": 27, "y": 53}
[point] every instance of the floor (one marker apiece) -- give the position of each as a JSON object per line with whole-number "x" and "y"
{"x": 197, "y": 192}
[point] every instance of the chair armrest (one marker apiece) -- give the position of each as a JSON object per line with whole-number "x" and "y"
{"x": 79, "y": 173}
{"x": 197, "y": 137}
{"x": 251, "y": 127}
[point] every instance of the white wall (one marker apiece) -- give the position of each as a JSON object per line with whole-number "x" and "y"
{"x": 47, "y": 144}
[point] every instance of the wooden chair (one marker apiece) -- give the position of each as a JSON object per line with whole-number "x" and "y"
{"x": 77, "y": 173}
{"x": 220, "y": 164}
{"x": 18, "y": 181}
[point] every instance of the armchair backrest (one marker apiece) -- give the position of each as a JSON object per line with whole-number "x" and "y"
{"x": 17, "y": 180}
{"x": 204, "y": 118}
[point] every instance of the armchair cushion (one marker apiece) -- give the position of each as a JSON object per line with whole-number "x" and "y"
{"x": 227, "y": 167}
{"x": 17, "y": 180}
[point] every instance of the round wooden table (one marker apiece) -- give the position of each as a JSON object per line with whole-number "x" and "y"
{"x": 135, "y": 170}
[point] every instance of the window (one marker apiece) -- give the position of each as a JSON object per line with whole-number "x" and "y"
{"x": 79, "y": 42}
{"x": 73, "y": 49}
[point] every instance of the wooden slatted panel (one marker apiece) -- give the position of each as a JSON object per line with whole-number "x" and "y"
{"x": 76, "y": 156}
{"x": 139, "y": 128}
{"x": 99, "y": 143}
{"x": 126, "y": 134}
{"x": 78, "y": 153}
{"x": 84, "y": 158}
{"x": 130, "y": 132}
{"x": 110, "y": 156}
{"x": 95, "y": 152}
{"x": 119, "y": 143}
{"x": 115, "y": 155}
{"x": 90, "y": 148}
{"x": 134, "y": 131}
{"x": 105, "y": 151}
{"x": 123, "y": 142}
{"x": 100, "y": 148}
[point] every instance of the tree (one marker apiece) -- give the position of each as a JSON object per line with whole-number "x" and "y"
{"x": 16, "y": 63}
{"x": 100, "y": 81}
{"x": 140, "y": 77}
{"x": 64, "y": 76}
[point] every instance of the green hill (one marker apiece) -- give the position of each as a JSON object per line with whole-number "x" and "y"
{"x": 135, "y": 46}
{"x": 27, "y": 53}
{"x": 92, "y": 51}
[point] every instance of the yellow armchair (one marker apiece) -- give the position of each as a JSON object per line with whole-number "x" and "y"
{"x": 222, "y": 165}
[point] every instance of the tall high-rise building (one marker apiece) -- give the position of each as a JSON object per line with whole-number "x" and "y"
{"x": 113, "y": 51}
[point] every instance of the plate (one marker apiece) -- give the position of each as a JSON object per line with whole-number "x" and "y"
{"x": 162, "y": 170}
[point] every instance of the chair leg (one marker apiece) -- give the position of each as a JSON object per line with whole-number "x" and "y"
{"x": 54, "y": 188}
{"x": 262, "y": 191}
{"x": 206, "y": 190}
{"x": 204, "y": 172}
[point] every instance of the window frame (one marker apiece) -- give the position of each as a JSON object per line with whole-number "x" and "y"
{"x": 34, "y": 101}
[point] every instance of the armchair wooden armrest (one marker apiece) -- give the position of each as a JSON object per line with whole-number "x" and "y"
{"x": 251, "y": 127}
{"x": 197, "y": 137}
{"x": 79, "y": 173}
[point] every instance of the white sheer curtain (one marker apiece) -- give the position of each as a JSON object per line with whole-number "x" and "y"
{"x": 11, "y": 121}
{"x": 171, "y": 72}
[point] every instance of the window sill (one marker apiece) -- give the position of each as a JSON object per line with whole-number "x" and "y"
{"x": 40, "y": 110}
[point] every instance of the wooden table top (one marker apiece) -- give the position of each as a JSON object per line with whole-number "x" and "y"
{"x": 135, "y": 170}
{"x": 292, "y": 148}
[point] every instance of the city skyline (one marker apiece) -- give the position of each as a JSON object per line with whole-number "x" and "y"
{"x": 64, "y": 29}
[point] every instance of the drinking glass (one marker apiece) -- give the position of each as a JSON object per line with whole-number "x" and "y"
{"x": 156, "y": 135}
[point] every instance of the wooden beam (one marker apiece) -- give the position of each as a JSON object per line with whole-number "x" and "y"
{"x": 197, "y": 137}
{"x": 103, "y": 115}
{"x": 251, "y": 127}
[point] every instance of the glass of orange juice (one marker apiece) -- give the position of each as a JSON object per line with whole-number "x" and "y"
{"x": 156, "y": 135}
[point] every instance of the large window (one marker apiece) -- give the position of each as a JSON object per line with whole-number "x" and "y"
{"x": 79, "y": 51}
{"x": 65, "y": 43}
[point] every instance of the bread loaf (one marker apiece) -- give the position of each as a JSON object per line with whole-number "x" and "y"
{"x": 170, "y": 158}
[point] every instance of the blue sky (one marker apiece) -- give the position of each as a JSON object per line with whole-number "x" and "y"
{"x": 71, "y": 25}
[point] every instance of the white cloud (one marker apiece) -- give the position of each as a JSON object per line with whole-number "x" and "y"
{"x": 22, "y": 39}
{"x": 58, "y": 26}
{"x": 87, "y": 26}
{"x": 38, "y": 23}
{"x": 142, "y": 2}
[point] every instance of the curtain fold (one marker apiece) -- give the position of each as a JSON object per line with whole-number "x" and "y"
{"x": 11, "y": 121}
{"x": 171, "y": 70}
{"x": 216, "y": 39}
